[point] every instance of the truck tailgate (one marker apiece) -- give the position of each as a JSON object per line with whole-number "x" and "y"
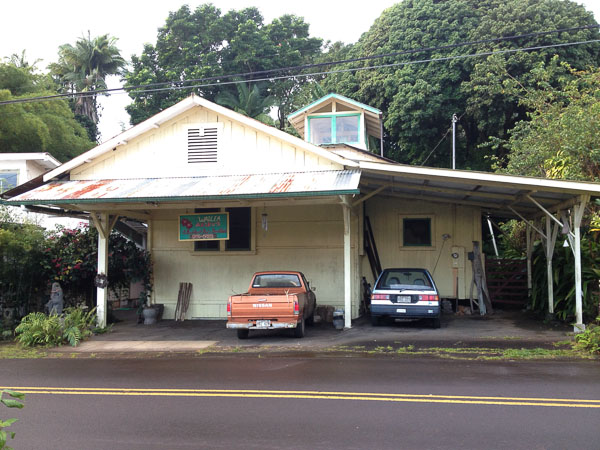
{"x": 271, "y": 307}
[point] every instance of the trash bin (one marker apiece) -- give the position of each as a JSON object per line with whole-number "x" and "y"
{"x": 338, "y": 319}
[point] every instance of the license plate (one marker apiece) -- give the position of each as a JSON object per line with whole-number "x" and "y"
{"x": 401, "y": 310}
{"x": 404, "y": 298}
{"x": 263, "y": 323}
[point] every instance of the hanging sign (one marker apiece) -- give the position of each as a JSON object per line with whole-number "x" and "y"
{"x": 204, "y": 227}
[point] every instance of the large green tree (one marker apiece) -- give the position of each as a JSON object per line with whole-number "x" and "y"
{"x": 419, "y": 99}
{"x": 204, "y": 43}
{"x": 83, "y": 67}
{"x": 39, "y": 126}
{"x": 561, "y": 136}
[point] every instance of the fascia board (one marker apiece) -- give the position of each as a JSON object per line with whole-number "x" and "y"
{"x": 577, "y": 187}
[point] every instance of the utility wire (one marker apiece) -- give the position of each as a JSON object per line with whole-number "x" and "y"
{"x": 308, "y": 66}
{"x": 441, "y": 140}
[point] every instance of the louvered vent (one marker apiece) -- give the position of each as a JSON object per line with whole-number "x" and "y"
{"x": 202, "y": 145}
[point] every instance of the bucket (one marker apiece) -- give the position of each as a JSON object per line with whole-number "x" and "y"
{"x": 338, "y": 319}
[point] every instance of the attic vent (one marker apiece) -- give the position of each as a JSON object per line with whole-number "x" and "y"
{"x": 202, "y": 144}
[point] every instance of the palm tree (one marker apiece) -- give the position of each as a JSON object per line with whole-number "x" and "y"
{"x": 84, "y": 67}
{"x": 249, "y": 102}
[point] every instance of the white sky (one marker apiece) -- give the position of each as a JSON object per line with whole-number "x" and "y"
{"x": 40, "y": 26}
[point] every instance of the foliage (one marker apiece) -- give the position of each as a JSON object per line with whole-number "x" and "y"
{"x": 72, "y": 260}
{"x": 420, "y": 99}
{"x": 21, "y": 251}
{"x": 47, "y": 126}
{"x": 249, "y": 101}
{"x": 589, "y": 339}
{"x": 564, "y": 279}
{"x": 561, "y": 139}
{"x": 83, "y": 67}
{"x": 14, "y": 402}
{"x": 52, "y": 330}
{"x": 203, "y": 44}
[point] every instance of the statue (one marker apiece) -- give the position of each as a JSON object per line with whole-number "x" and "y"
{"x": 55, "y": 305}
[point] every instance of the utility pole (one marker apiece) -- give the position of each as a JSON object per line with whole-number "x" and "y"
{"x": 454, "y": 120}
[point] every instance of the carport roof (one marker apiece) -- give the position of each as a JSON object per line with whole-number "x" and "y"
{"x": 499, "y": 195}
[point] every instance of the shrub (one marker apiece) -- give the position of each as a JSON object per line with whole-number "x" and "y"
{"x": 52, "y": 330}
{"x": 589, "y": 340}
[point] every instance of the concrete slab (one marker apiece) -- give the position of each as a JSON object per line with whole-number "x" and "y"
{"x": 508, "y": 329}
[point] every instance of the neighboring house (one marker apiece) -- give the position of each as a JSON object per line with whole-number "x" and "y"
{"x": 224, "y": 196}
{"x": 19, "y": 168}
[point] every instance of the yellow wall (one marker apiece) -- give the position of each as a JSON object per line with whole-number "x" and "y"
{"x": 163, "y": 152}
{"x": 462, "y": 223}
{"x": 304, "y": 238}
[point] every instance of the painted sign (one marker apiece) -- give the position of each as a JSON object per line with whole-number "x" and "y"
{"x": 204, "y": 227}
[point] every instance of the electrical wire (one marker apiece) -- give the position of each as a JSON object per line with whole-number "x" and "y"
{"x": 308, "y": 66}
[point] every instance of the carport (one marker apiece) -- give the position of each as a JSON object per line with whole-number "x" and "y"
{"x": 546, "y": 206}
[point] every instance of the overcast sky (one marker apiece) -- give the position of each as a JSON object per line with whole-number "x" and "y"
{"x": 40, "y": 26}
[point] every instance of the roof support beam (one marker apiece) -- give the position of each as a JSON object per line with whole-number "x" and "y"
{"x": 548, "y": 213}
{"x": 527, "y": 222}
{"x": 369, "y": 195}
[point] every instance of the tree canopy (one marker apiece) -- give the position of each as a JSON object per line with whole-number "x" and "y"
{"x": 204, "y": 44}
{"x": 40, "y": 126}
{"x": 83, "y": 67}
{"x": 419, "y": 99}
{"x": 561, "y": 137}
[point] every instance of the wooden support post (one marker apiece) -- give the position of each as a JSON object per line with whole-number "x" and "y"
{"x": 347, "y": 265}
{"x": 551, "y": 233}
{"x": 530, "y": 234}
{"x": 579, "y": 210}
{"x": 104, "y": 224}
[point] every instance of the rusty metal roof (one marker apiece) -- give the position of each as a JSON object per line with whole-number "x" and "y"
{"x": 287, "y": 184}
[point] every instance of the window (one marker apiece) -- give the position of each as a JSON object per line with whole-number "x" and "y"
{"x": 8, "y": 180}
{"x": 336, "y": 129}
{"x": 416, "y": 232}
{"x": 240, "y": 231}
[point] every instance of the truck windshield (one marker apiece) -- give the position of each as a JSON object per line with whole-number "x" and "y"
{"x": 276, "y": 280}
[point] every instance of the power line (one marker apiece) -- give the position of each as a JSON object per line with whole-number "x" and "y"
{"x": 308, "y": 66}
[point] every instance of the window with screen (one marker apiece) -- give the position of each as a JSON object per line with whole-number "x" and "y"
{"x": 416, "y": 232}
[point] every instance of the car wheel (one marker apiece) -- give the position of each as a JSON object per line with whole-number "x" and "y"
{"x": 375, "y": 320}
{"x": 436, "y": 323}
{"x": 299, "y": 331}
{"x": 310, "y": 321}
{"x": 243, "y": 333}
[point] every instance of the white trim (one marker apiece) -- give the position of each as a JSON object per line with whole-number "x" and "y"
{"x": 180, "y": 108}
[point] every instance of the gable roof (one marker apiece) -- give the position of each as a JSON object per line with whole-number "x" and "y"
{"x": 178, "y": 109}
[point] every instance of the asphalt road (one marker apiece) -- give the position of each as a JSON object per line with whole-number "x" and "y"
{"x": 316, "y": 403}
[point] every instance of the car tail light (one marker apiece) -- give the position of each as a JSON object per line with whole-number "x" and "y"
{"x": 380, "y": 297}
{"x": 229, "y": 308}
{"x": 296, "y": 307}
{"x": 429, "y": 298}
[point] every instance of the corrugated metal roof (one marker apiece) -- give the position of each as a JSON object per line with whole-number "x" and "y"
{"x": 287, "y": 184}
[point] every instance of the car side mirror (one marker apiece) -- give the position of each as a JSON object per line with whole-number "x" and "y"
{"x": 314, "y": 289}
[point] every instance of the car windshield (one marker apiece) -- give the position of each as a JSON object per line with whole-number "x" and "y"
{"x": 276, "y": 280}
{"x": 404, "y": 279}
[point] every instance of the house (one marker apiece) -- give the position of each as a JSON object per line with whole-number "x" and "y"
{"x": 224, "y": 196}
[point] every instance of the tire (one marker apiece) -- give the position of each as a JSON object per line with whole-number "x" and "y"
{"x": 299, "y": 331}
{"x": 375, "y": 320}
{"x": 243, "y": 333}
{"x": 310, "y": 320}
{"x": 436, "y": 323}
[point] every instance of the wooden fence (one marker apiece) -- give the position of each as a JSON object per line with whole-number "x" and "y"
{"x": 507, "y": 281}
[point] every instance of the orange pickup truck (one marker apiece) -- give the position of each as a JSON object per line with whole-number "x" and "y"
{"x": 274, "y": 300}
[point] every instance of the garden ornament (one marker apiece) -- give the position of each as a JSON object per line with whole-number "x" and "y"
{"x": 55, "y": 305}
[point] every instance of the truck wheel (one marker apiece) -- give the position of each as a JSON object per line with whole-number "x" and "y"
{"x": 310, "y": 321}
{"x": 243, "y": 333}
{"x": 299, "y": 331}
